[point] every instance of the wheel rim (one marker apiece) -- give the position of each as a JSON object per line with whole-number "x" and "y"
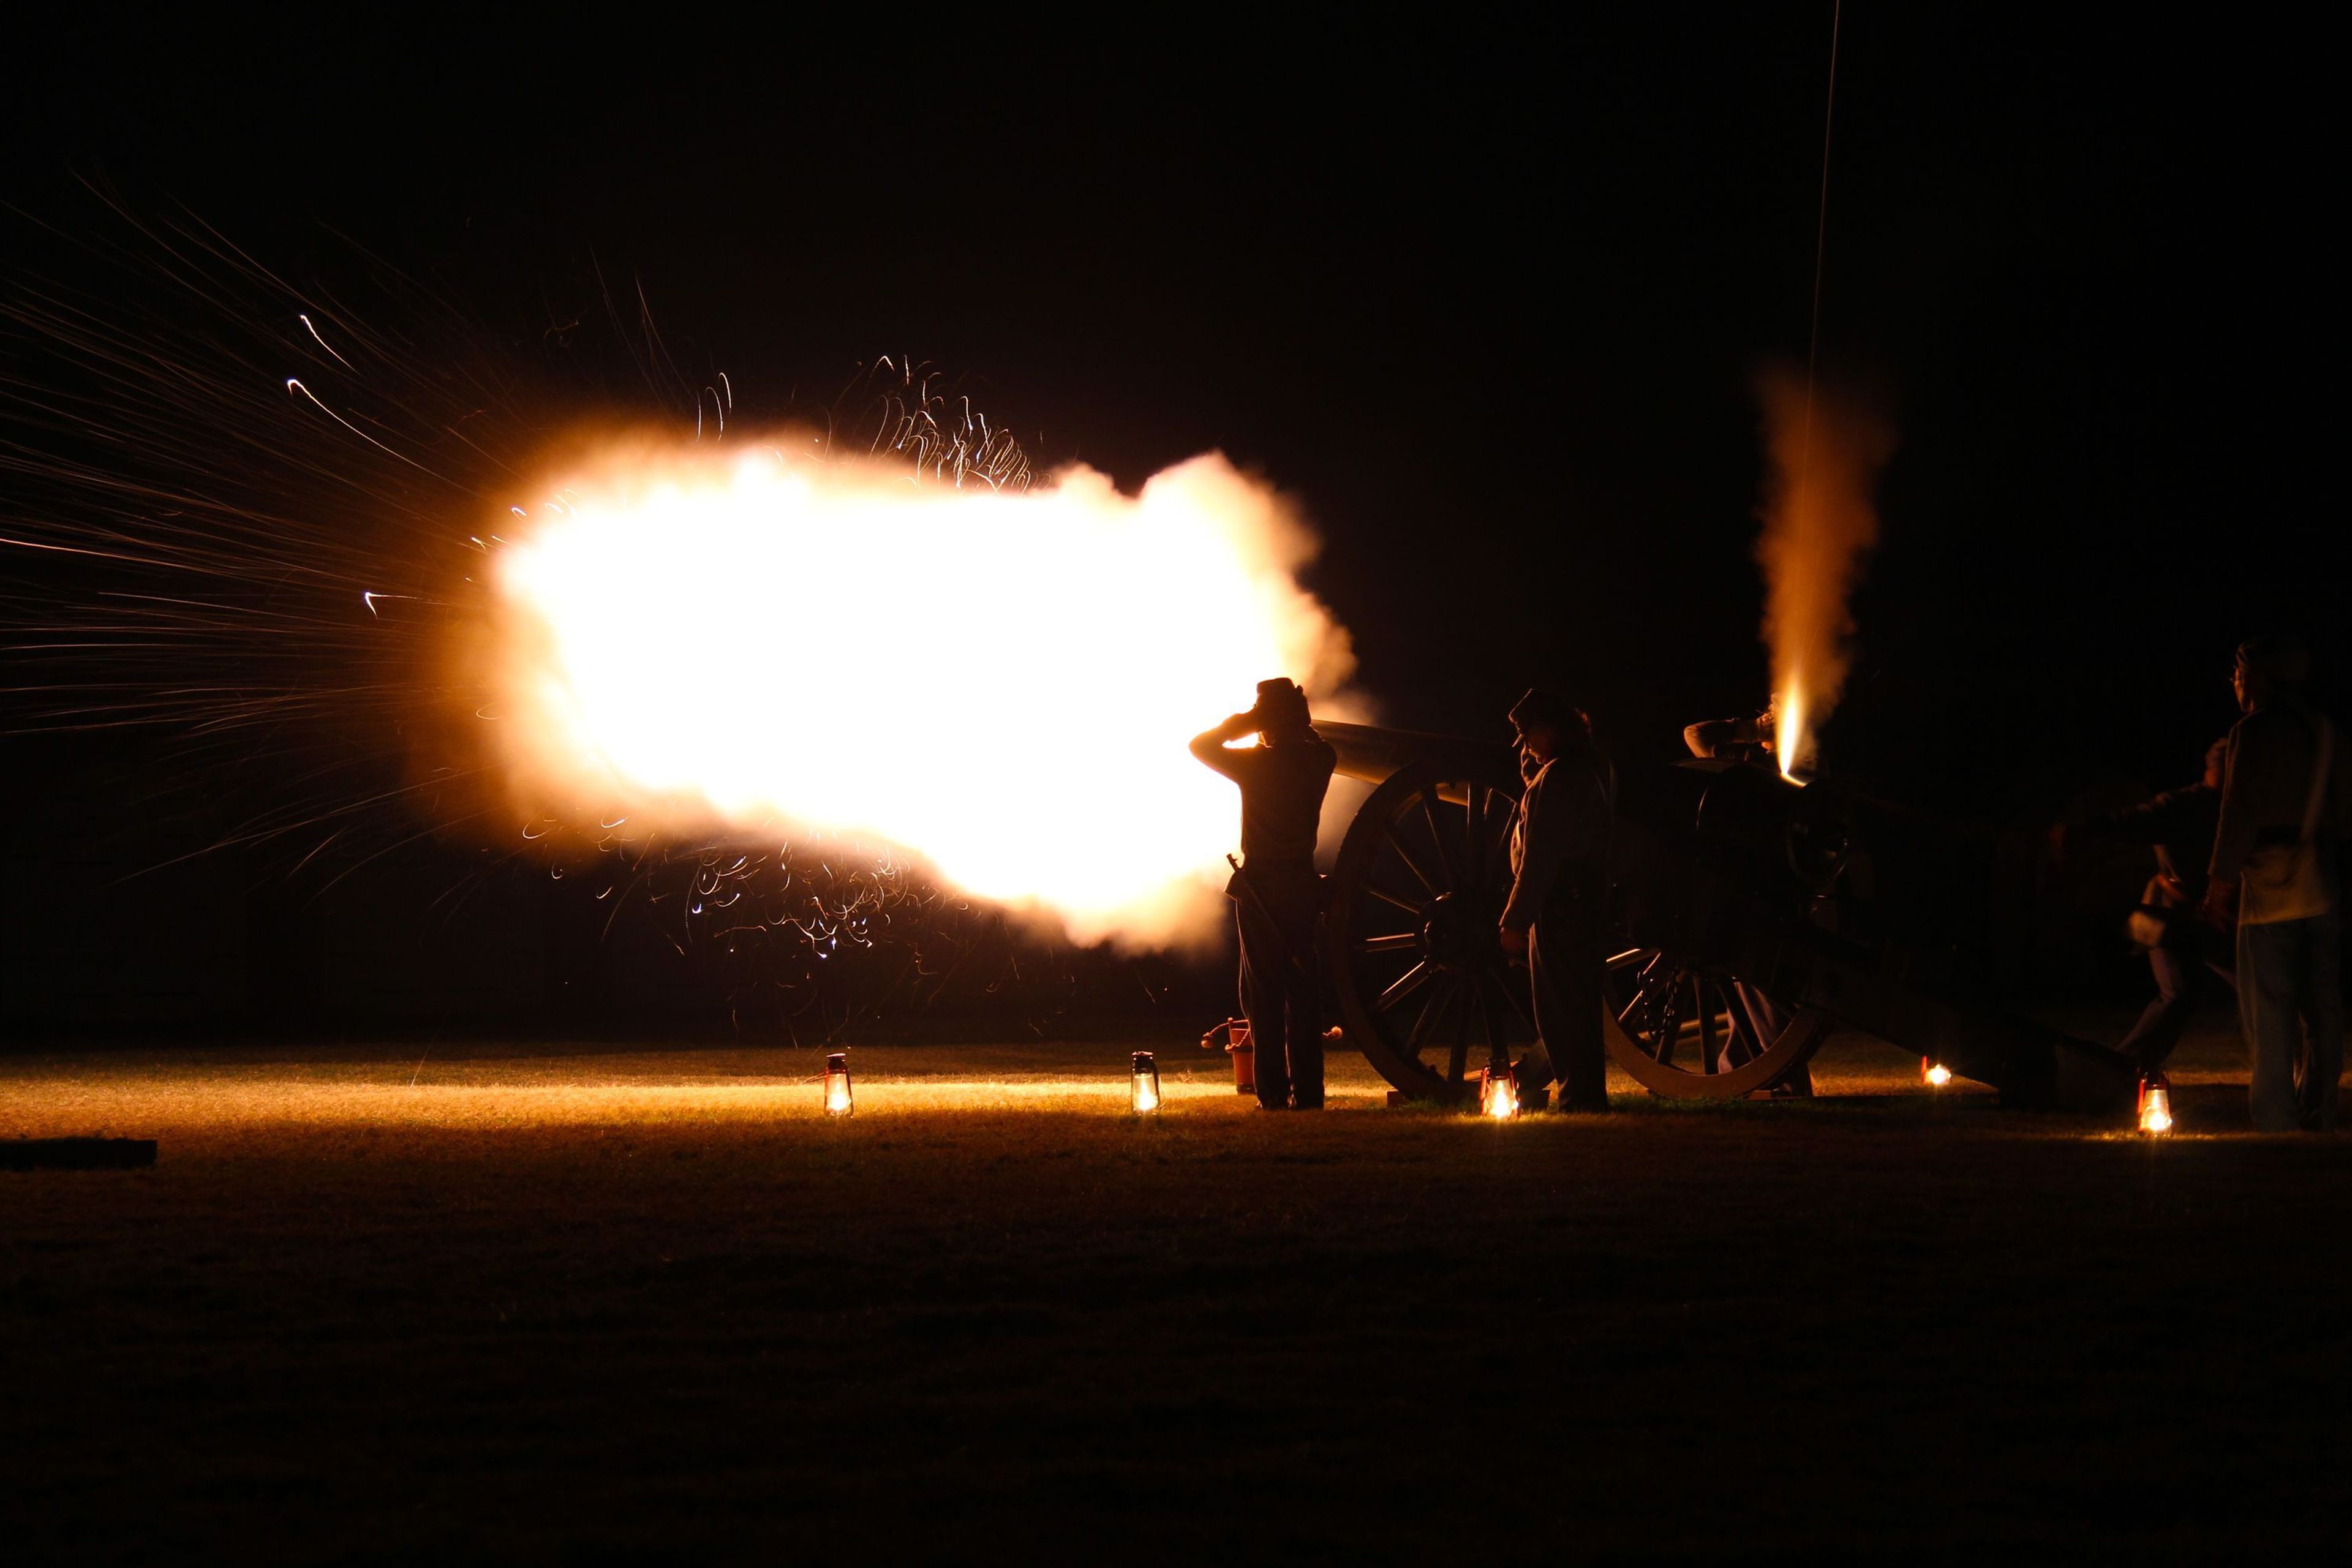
{"x": 1685, "y": 1030}
{"x": 1425, "y": 991}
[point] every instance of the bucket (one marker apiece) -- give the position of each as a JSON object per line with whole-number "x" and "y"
{"x": 1241, "y": 1048}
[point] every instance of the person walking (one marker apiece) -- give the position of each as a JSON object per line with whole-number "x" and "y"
{"x": 1278, "y": 897}
{"x": 2285, "y": 801}
{"x": 1559, "y": 878}
{"x": 2186, "y": 949}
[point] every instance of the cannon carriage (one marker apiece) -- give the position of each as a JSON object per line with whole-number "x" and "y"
{"x": 1751, "y": 916}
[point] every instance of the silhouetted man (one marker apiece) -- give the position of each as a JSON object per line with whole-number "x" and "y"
{"x": 1753, "y": 741}
{"x": 1559, "y": 877}
{"x": 1277, "y": 897}
{"x": 2284, "y": 810}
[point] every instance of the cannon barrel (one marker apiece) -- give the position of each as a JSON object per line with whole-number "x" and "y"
{"x": 1372, "y": 754}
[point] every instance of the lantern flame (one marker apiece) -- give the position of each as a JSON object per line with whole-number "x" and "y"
{"x": 1498, "y": 1097}
{"x": 997, "y": 684}
{"x": 2156, "y": 1106}
{"x": 1819, "y": 522}
{"x": 838, "y": 1101}
{"x": 1933, "y": 1073}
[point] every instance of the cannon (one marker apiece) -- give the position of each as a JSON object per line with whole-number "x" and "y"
{"x": 1752, "y": 916}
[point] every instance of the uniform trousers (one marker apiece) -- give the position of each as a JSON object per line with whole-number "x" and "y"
{"x": 2290, "y": 1010}
{"x": 1282, "y": 988}
{"x": 1564, "y": 960}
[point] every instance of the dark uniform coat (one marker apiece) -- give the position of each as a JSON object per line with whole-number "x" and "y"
{"x": 1559, "y": 875}
{"x": 1278, "y": 905}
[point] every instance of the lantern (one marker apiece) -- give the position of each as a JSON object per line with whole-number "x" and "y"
{"x": 1498, "y": 1096}
{"x": 836, "y": 1084}
{"x": 1933, "y": 1073}
{"x": 1145, "y": 1089}
{"x": 2155, "y": 1105}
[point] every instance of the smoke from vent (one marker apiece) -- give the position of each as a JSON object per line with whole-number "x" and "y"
{"x": 1819, "y": 522}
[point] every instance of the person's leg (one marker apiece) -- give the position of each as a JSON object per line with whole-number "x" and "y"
{"x": 2179, "y": 980}
{"x": 1566, "y": 962}
{"x": 2323, "y": 1019}
{"x": 1531, "y": 1079}
{"x": 1264, "y": 988}
{"x": 1305, "y": 1013}
{"x": 2266, "y": 1016}
{"x": 1539, "y": 1065}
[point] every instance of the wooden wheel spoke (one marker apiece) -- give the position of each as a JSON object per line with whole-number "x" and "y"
{"x": 1710, "y": 1042}
{"x": 1512, "y": 996}
{"x": 1436, "y": 840}
{"x": 1744, "y": 1040}
{"x": 1417, "y": 911}
{"x": 1665, "y": 1026}
{"x": 1473, "y": 851}
{"x": 1390, "y": 833}
{"x": 1497, "y": 851}
{"x": 1498, "y": 1055}
{"x": 1410, "y": 980}
{"x": 1399, "y": 942}
{"x": 1421, "y": 1024}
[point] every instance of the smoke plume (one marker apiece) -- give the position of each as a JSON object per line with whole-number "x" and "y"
{"x": 1819, "y": 522}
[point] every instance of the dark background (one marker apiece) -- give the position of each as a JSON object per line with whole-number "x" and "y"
{"x": 1491, "y": 303}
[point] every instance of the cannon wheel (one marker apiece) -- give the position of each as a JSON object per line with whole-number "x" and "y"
{"x": 1425, "y": 991}
{"x": 1685, "y": 1031}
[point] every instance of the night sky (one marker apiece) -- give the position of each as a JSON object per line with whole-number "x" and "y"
{"x": 1491, "y": 304}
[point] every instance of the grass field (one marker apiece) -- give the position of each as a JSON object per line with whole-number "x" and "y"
{"x": 637, "y": 1306}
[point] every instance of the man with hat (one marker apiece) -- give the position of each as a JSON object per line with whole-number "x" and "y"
{"x": 1277, "y": 897}
{"x": 1559, "y": 877}
{"x": 2285, "y": 802}
{"x": 1754, "y": 743}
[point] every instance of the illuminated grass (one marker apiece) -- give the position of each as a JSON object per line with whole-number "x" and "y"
{"x": 198, "y": 1094}
{"x": 555, "y": 1306}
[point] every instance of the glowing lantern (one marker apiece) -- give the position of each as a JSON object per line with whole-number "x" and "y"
{"x": 836, "y": 1084}
{"x": 2155, "y": 1105}
{"x": 1498, "y": 1097}
{"x": 1146, "y": 1090}
{"x": 1933, "y": 1073}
